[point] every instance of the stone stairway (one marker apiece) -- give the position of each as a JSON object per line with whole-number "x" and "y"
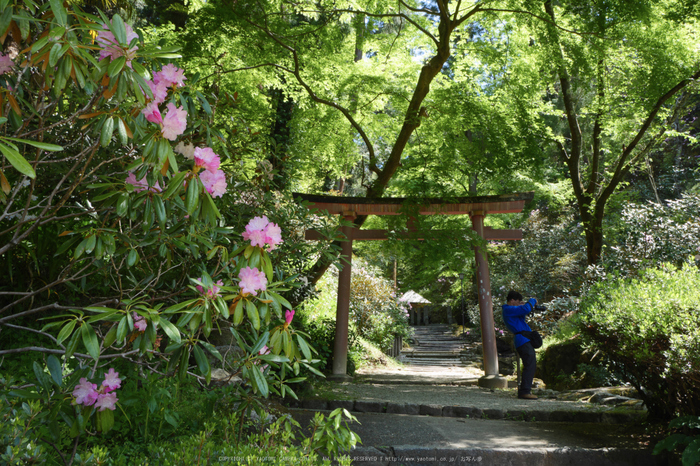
{"x": 435, "y": 345}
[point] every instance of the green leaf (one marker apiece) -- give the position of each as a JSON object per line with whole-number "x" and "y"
{"x": 212, "y": 349}
{"x": 691, "y": 454}
{"x": 105, "y": 420}
{"x": 59, "y": 12}
{"x": 192, "y": 197}
{"x": 66, "y": 331}
{"x": 41, "y": 376}
{"x": 107, "y": 131}
{"x": 260, "y": 381}
{"x": 252, "y": 312}
{"x": 121, "y": 132}
{"x": 90, "y": 340}
{"x": 174, "y": 185}
{"x": 238, "y": 313}
{"x": 115, "y": 66}
{"x": 202, "y": 362}
{"x": 170, "y": 329}
{"x": 55, "y": 369}
{"x": 111, "y": 336}
{"x": 304, "y": 347}
{"x": 17, "y": 161}
{"x": 262, "y": 341}
{"x": 273, "y": 358}
{"x": 6, "y": 19}
{"x": 40, "y": 145}
{"x": 118, "y": 29}
{"x": 132, "y": 258}
{"x": 159, "y": 208}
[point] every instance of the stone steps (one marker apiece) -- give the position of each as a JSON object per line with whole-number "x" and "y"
{"x": 435, "y": 345}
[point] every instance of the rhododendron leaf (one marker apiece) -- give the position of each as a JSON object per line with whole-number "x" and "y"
{"x": 174, "y": 185}
{"x": 192, "y": 196}
{"x": 105, "y": 420}
{"x": 132, "y": 258}
{"x": 238, "y": 313}
{"x": 118, "y": 29}
{"x": 170, "y": 330}
{"x": 66, "y": 331}
{"x": 262, "y": 341}
{"x": 90, "y": 340}
{"x": 252, "y": 312}
{"x": 304, "y": 347}
{"x": 111, "y": 336}
{"x": 41, "y": 145}
{"x": 17, "y": 161}
{"x": 107, "y": 131}
{"x": 72, "y": 345}
{"x": 55, "y": 369}
{"x": 122, "y": 132}
{"x": 260, "y": 383}
{"x": 90, "y": 244}
{"x": 212, "y": 349}
{"x": 54, "y": 54}
{"x": 172, "y": 160}
{"x": 142, "y": 72}
{"x": 280, "y": 299}
{"x": 59, "y": 12}
{"x": 41, "y": 377}
{"x": 115, "y": 66}
{"x": 202, "y": 361}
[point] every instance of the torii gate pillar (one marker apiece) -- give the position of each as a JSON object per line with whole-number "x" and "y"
{"x": 342, "y": 316}
{"x": 491, "y": 379}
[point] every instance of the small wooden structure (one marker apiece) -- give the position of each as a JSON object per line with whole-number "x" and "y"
{"x": 417, "y": 303}
{"x": 476, "y": 207}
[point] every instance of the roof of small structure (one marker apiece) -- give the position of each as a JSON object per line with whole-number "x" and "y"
{"x": 413, "y": 297}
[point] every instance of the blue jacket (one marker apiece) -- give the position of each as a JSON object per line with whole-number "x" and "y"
{"x": 514, "y": 318}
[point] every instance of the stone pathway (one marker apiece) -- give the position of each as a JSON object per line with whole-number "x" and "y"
{"x": 409, "y": 412}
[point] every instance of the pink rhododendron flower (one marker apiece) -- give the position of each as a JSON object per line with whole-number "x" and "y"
{"x": 6, "y": 64}
{"x": 274, "y": 235}
{"x": 259, "y": 227}
{"x": 159, "y": 90}
{"x": 288, "y": 316}
{"x": 152, "y": 113}
{"x": 111, "y": 47}
{"x": 140, "y": 323}
{"x": 256, "y": 237}
{"x": 205, "y": 157}
{"x": 142, "y": 184}
{"x": 169, "y": 75}
{"x": 85, "y": 392}
{"x": 106, "y": 401}
{"x": 252, "y": 280}
{"x": 112, "y": 380}
{"x": 214, "y": 182}
{"x": 213, "y": 291}
{"x": 174, "y": 123}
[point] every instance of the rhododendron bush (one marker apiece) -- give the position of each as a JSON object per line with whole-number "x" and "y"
{"x": 111, "y": 173}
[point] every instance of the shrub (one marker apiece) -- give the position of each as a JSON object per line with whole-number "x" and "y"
{"x": 375, "y": 313}
{"x": 648, "y": 327}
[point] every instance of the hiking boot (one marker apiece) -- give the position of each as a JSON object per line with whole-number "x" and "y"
{"x": 527, "y": 396}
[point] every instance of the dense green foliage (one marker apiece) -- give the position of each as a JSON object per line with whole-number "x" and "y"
{"x": 375, "y": 312}
{"x": 649, "y": 329}
{"x": 166, "y": 422}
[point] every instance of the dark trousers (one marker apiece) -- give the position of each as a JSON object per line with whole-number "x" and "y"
{"x": 527, "y": 355}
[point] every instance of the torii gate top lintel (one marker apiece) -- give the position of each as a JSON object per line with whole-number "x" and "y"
{"x": 497, "y": 204}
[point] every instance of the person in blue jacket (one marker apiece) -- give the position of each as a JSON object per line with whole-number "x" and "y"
{"x": 514, "y": 312}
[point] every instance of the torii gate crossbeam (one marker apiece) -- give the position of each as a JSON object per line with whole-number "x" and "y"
{"x": 476, "y": 207}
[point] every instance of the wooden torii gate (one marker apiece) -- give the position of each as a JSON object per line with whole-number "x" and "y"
{"x": 476, "y": 207}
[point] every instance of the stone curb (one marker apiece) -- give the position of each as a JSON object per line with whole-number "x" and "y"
{"x": 360, "y": 406}
{"x": 412, "y": 455}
